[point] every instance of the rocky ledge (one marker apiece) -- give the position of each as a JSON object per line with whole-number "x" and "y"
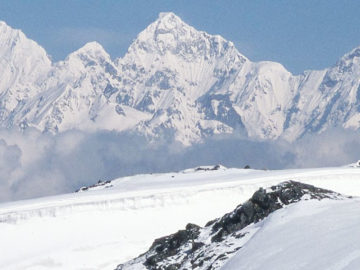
{"x": 211, "y": 246}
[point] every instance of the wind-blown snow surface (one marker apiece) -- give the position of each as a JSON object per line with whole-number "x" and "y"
{"x": 174, "y": 80}
{"x": 308, "y": 235}
{"x": 108, "y": 225}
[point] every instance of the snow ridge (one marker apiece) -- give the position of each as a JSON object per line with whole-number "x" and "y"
{"x": 212, "y": 246}
{"x": 174, "y": 81}
{"x": 123, "y": 218}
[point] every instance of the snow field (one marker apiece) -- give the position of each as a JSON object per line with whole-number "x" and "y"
{"x": 307, "y": 235}
{"x": 101, "y": 228}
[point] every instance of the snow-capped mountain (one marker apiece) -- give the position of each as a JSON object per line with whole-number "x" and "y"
{"x": 113, "y": 222}
{"x": 174, "y": 81}
{"x": 327, "y": 98}
{"x": 74, "y": 92}
{"x": 23, "y": 67}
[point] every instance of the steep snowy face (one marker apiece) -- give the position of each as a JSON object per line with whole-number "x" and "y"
{"x": 176, "y": 82}
{"x": 75, "y": 92}
{"x": 327, "y": 98}
{"x": 341, "y": 88}
{"x": 169, "y": 38}
{"x": 196, "y": 85}
{"x": 169, "y": 71}
{"x": 23, "y": 63}
{"x": 262, "y": 94}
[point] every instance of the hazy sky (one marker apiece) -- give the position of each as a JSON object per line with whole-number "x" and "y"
{"x": 299, "y": 34}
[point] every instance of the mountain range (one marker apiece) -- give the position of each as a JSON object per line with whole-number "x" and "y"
{"x": 174, "y": 81}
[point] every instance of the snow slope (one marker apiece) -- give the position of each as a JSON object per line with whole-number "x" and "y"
{"x": 210, "y": 247}
{"x": 110, "y": 224}
{"x": 307, "y": 235}
{"x": 174, "y": 81}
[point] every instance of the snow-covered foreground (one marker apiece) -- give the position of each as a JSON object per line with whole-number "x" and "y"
{"x": 100, "y": 228}
{"x": 307, "y": 235}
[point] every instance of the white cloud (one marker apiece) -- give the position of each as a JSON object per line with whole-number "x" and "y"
{"x": 36, "y": 164}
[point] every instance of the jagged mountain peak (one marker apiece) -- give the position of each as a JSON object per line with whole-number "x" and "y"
{"x": 91, "y": 47}
{"x": 162, "y": 35}
{"x": 354, "y": 53}
{"x": 168, "y": 67}
{"x": 166, "y": 22}
{"x": 178, "y": 80}
{"x": 167, "y": 14}
{"x": 20, "y": 55}
{"x": 15, "y": 41}
{"x": 170, "y": 35}
{"x": 5, "y": 27}
{"x": 23, "y": 65}
{"x": 89, "y": 52}
{"x": 350, "y": 62}
{"x": 166, "y": 18}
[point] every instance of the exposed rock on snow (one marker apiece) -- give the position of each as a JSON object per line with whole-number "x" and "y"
{"x": 106, "y": 226}
{"x": 210, "y": 247}
{"x": 100, "y": 183}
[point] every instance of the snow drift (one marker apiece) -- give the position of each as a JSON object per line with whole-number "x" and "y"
{"x": 108, "y": 225}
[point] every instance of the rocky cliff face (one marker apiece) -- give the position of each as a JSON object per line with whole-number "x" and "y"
{"x": 174, "y": 81}
{"x": 211, "y": 246}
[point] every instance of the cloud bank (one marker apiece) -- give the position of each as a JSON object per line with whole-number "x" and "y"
{"x": 35, "y": 164}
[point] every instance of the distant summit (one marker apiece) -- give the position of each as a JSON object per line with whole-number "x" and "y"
{"x": 174, "y": 82}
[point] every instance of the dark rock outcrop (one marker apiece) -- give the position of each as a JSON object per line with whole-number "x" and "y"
{"x": 169, "y": 245}
{"x": 215, "y": 168}
{"x": 209, "y": 247}
{"x": 100, "y": 183}
{"x": 262, "y": 203}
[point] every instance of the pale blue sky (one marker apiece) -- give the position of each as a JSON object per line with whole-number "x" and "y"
{"x": 308, "y": 34}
